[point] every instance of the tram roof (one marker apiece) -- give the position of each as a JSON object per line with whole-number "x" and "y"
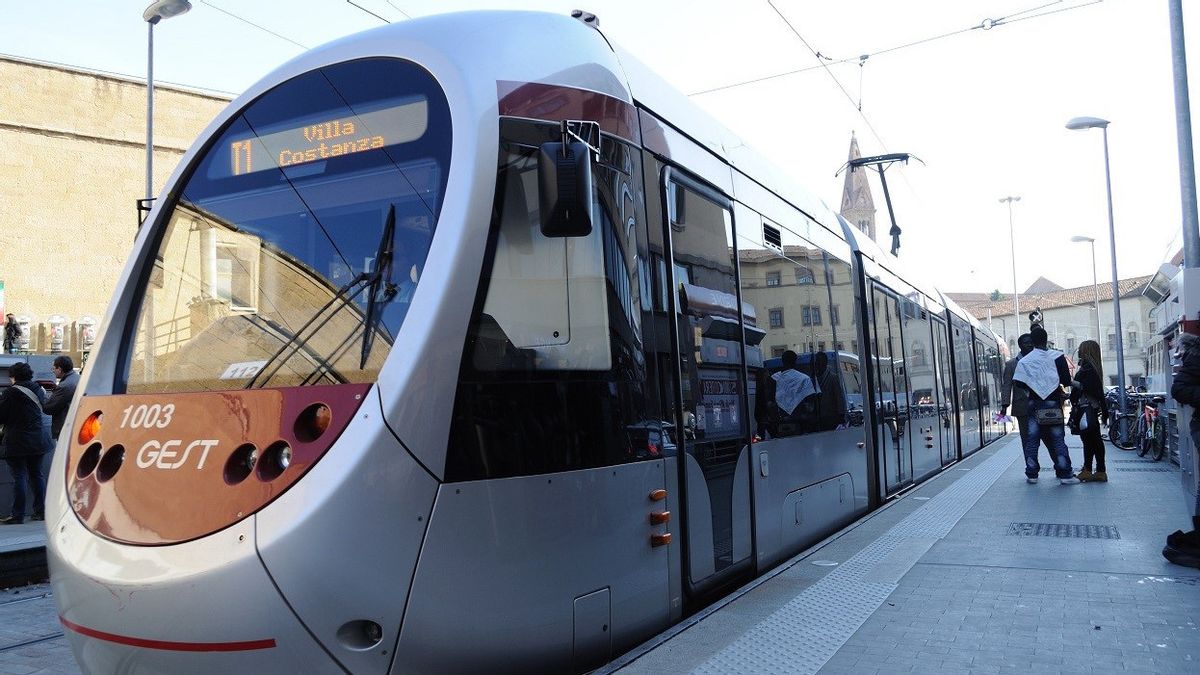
{"x": 666, "y": 102}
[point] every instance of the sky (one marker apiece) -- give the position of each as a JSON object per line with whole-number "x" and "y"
{"x": 983, "y": 109}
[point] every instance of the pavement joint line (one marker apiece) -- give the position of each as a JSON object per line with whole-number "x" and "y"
{"x": 1069, "y": 571}
{"x": 806, "y": 632}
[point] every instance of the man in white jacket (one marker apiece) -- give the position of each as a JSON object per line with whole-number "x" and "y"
{"x": 1044, "y": 374}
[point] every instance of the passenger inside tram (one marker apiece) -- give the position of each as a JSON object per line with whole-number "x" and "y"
{"x": 831, "y": 402}
{"x": 794, "y": 399}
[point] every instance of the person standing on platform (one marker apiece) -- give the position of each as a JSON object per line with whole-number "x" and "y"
{"x": 1018, "y": 398}
{"x": 60, "y": 399}
{"x": 12, "y": 334}
{"x": 1183, "y": 548}
{"x": 1087, "y": 396}
{"x": 25, "y": 440}
{"x": 1044, "y": 374}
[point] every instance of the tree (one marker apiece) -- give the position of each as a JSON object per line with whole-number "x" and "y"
{"x": 995, "y": 295}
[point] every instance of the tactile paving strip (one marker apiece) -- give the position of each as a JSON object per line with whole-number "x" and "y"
{"x": 1156, "y": 469}
{"x": 804, "y": 634}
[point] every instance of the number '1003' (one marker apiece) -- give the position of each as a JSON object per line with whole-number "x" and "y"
{"x": 148, "y": 416}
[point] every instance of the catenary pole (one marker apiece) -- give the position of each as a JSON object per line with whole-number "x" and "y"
{"x": 1183, "y": 127}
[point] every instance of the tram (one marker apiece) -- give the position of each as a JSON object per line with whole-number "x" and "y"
{"x": 449, "y": 347}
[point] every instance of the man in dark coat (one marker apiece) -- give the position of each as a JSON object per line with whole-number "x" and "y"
{"x": 24, "y": 440}
{"x": 1183, "y": 548}
{"x": 60, "y": 400}
{"x": 1017, "y": 397}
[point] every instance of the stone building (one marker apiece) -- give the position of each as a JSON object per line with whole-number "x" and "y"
{"x": 72, "y": 167}
{"x": 1069, "y": 316}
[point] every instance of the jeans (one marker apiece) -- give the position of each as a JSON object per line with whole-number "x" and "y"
{"x": 1055, "y": 438}
{"x": 27, "y": 467}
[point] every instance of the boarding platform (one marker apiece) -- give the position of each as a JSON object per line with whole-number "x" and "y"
{"x": 973, "y": 571}
{"x": 22, "y": 553}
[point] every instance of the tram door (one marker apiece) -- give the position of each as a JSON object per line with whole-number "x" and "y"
{"x": 921, "y": 368}
{"x": 945, "y": 389}
{"x": 711, "y": 397}
{"x": 891, "y": 397}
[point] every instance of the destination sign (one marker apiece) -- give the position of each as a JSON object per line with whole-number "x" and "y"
{"x": 333, "y": 137}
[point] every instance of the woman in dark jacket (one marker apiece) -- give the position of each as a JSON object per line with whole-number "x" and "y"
{"x": 1087, "y": 393}
{"x": 24, "y": 440}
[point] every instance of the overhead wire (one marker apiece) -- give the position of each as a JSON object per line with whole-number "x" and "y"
{"x": 249, "y": 22}
{"x": 355, "y": 4}
{"x": 397, "y": 8}
{"x": 986, "y": 24}
{"x": 836, "y": 81}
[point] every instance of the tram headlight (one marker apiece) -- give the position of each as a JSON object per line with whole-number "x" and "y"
{"x": 274, "y": 461}
{"x": 313, "y": 422}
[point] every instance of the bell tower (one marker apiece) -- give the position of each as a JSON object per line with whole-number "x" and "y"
{"x": 858, "y": 208}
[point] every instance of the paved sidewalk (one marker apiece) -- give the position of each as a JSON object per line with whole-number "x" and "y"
{"x": 968, "y": 573}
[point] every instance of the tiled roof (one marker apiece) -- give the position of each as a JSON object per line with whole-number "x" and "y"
{"x": 977, "y": 303}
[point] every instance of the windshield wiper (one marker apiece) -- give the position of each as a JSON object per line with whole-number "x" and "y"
{"x": 357, "y": 284}
{"x": 382, "y": 287}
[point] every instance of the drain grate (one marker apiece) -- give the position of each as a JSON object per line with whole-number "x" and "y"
{"x": 1063, "y": 530}
{"x": 1157, "y": 469}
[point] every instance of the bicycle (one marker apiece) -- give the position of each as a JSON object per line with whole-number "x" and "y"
{"x": 1151, "y": 430}
{"x": 1127, "y": 418}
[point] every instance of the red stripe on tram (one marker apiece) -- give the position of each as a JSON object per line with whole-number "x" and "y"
{"x": 169, "y": 645}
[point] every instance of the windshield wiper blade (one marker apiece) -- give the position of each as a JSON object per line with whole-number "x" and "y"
{"x": 357, "y": 284}
{"x": 382, "y": 287}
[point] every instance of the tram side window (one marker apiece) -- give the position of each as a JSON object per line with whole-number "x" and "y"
{"x": 710, "y": 342}
{"x": 815, "y": 395}
{"x": 553, "y": 371}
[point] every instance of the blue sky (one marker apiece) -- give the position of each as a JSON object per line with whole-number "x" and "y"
{"x": 983, "y": 108}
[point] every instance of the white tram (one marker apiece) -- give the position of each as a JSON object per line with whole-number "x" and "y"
{"x": 397, "y": 380}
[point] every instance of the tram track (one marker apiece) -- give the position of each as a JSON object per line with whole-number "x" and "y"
{"x": 32, "y": 641}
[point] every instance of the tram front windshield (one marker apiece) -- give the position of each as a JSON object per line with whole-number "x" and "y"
{"x": 295, "y": 246}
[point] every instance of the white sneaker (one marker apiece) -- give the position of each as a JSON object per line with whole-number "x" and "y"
{"x": 1031, "y": 480}
{"x": 1069, "y": 481}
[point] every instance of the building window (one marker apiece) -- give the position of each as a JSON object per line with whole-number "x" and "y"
{"x": 1153, "y": 327}
{"x": 1112, "y": 342}
{"x": 1133, "y": 338}
{"x": 834, "y": 318}
{"x": 772, "y": 278}
{"x": 804, "y": 275}
{"x": 1071, "y": 345}
{"x": 776, "y": 318}
{"x": 839, "y": 346}
{"x": 777, "y": 350}
{"x": 1112, "y": 380}
{"x": 810, "y": 315}
{"x": 854, "y": 346}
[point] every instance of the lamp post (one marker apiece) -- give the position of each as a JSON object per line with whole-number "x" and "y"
{"x": 1012, "y": 242}
{"x": 1095, "y": 285}
{"x": 157, "y": 11}
{"x": 1097, "y": 123}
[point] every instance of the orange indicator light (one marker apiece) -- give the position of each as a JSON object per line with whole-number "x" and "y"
{"x": 90, "y": 428}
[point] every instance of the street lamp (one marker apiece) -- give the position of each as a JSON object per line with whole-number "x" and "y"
{"x": 1012, "y": 242}
{"x": 157, "y": 11}
{"x": 1095, "y": 285}
{"x": 1097, "y": 123}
